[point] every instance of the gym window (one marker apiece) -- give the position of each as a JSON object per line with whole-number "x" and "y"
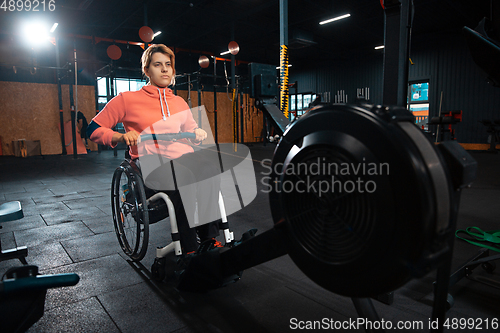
{"x": 299, "y": 103}
{"x": 120, "y": 85}
{"x": 418, "y": 101}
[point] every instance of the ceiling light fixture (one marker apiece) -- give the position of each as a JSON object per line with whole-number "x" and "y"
{"x": 226, "y": 52}
{"x": 36, "y": 33}
{"x": 379, "y": 47}
{"x": 335, "y": 19}
{"x": 156, "y": 34}
{"x": 54, "y": 26}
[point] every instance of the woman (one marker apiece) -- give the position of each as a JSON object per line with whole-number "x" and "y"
{"x": 152, "y": 109}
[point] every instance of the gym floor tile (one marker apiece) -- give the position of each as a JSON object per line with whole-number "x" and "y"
{"x": 45, "y": 256}
{"x": 48, "y": 255}
{"x": 97, "y": 276}
{"x": 285, "y": 267}
{"x": 56, "y": 198}
{"x": 53, "y": 233}
{"x": 80, "y": 185}
{"x": 85, "y": 316}
{"x": 24, "y": 196}
{"x": 138, "y": 308}
{"x": 86, "y": 202}
{"x": 8, "y": 241}
{"x": 91, "y": 247}
{"x": 254, "y": 285}
{"x": 93, "y": 193}
{"x": 282, "y": 308}
{"x": 61, "y": 189}
{"x": 72, "y": 215}
{"x": 100, "y": 224}
{"x": 477, "y": 204}
{"x": 12, "y": 189}
{"x": 27, "y": 222}
{"x": 308, "y": 289}
{"x": 214, "y": 311}
{"x": 35, "y": 209}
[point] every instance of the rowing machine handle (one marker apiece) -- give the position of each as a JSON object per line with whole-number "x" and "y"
{"x": 168, "y": 136}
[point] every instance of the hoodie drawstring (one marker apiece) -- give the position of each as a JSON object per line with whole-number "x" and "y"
{"x": 161, "y": 103}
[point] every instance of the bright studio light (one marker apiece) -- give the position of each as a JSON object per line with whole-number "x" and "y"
{"x": 225, "y": 52}
{"x": 36, "y": 33}
{"x": 156, "y": 34}
{"x": 335, "y": 19}
{"x": 54, "y": 27}
{"x": 379, "y": 47}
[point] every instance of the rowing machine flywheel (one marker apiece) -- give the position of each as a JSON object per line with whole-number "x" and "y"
{"x": 362, "y": 196}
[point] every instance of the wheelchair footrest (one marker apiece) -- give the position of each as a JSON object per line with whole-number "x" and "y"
{"x": 204, "y": 270}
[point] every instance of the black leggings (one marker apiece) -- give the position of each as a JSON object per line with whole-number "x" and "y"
{"x": 197, "y": 176}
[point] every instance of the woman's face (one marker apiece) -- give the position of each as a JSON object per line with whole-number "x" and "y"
{"x": 160, "y": 70}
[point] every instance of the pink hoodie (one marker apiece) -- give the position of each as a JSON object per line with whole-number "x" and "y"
{"x": 149, "y": 110}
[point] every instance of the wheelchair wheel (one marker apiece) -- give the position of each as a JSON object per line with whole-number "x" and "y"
{"x": 130, "y": 212}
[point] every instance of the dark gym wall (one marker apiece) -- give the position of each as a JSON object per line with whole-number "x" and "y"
{"x": 347, "y": 75}
{"x": 444, "y": 60}
{"x": 30, "y": 111}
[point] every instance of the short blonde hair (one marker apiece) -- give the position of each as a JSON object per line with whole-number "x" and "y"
{"x": 148, "y": 54}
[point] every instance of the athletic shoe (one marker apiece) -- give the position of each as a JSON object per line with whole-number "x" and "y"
{"x": 217, "y": 243}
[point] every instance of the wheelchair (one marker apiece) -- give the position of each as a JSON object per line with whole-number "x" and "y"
{"x": 135, "y": 207}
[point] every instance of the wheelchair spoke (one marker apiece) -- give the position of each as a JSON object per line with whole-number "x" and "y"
{"x": 130, "y": 212}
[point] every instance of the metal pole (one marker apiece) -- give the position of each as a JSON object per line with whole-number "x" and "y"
{"x": 111, "y": 94}
{"x": 59, "y": 95}
{"x": 404, "y": 51}
{"x": 189, "y": 91}
{"x": 199, "y": 101}
{"x": 96, "y": 86}
{"x": 296, "y": 96}
{"x": 75, "y": 109}
{"x": 236, "y": 115}
{"x": 396, "y": 51}
{"x": 242, "y": 119}
{"x": 72, "y": 112}
{"x": 233, "y": 87}
{"x": 392, "y": 13}
{"x": 215, "y": 99}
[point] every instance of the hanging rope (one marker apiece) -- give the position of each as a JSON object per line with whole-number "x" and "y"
{"x": 284, "y": 79}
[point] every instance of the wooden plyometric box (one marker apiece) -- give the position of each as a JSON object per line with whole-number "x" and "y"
{"x": 23, "y": 148}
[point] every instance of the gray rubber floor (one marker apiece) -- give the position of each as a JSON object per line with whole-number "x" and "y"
{"x": 68, "y": 228}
